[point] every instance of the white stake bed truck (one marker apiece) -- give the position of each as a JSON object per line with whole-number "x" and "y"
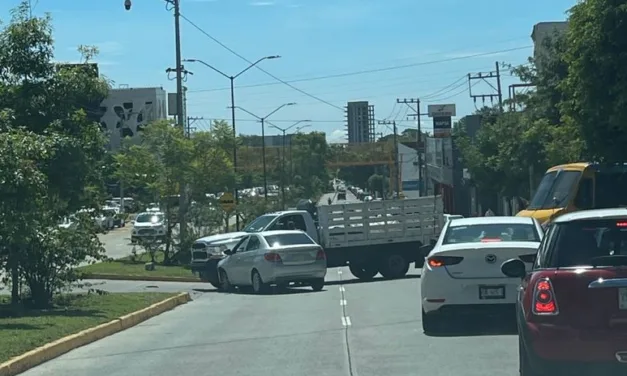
{"x": 370, "y": 237}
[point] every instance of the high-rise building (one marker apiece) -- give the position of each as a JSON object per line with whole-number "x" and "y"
{"x": 543, "y": 31}
{"x": 360, "y": 122}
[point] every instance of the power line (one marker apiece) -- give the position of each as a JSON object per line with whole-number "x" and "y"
{"x": 354, "y": 73}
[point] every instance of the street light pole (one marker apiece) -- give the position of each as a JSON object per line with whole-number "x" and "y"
{"x": 232, "y": 81}
{"x": 263, "y": 141}
{"x": 284, "y": 130}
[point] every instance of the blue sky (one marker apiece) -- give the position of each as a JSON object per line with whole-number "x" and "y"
{"x": 425, "y": 44}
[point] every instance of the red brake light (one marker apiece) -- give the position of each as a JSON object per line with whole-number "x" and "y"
{"x": 544, "y": 302}
{"x": 272, "y": 257}
{"x": 490, "y": 240}
{"x": 321, "y": 255}
{"x": 438, "y": 261}
{"x": 621, "y": 224}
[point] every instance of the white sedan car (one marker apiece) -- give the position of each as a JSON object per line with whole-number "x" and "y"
{"x": 462, "y": 272}
{"x": 273, "y": 257}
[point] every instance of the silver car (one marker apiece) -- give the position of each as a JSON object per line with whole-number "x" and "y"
{"x": 273, "y": 257}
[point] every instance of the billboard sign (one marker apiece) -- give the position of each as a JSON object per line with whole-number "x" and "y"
{"x": 442, "y": 110}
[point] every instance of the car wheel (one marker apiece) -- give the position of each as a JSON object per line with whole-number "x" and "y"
{"x": 318, "y": 284}
{"x": 394, "y": 266}
{"x": 225, "y": 284}
{"x": 431, "y": 323}
{"x": 259, "y": 287}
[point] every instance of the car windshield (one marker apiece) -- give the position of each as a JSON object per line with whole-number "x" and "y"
{"x": 149, "y": 218}
{"x": 260, "y": 223}
{"x": 555, "y": 190}
{"x": 493, "y": 232}
{"x": 579, "y": 243}
{"x": 288, "y": 239}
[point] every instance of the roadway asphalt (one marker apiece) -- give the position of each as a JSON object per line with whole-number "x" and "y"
{"x": 348, "y": 329}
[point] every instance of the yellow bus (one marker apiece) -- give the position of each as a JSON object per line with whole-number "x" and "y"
{"x": 578, "y": 186}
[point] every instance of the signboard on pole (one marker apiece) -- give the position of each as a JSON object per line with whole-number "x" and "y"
{"x": 442, "y": 110}
{"x": 227, "y": 202}
{"x": 442, "y": 126}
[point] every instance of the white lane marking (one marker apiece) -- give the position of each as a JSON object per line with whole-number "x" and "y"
{"x": 339, "y": 271}
{"x": 343, "y": 302}
{"x": 348, "y": 321}
{"x": 342, "y": 289}
{"x": 344, "y": 321}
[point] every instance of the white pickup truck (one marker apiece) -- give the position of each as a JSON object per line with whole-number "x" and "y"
{"x": 370, "y": 237}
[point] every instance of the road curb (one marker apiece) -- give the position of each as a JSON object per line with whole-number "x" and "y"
{"x": 117, "y": 277}
{"x": 61, "y": 346}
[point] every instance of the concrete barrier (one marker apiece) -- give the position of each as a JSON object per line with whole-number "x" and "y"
{"x": 61, "y": 346}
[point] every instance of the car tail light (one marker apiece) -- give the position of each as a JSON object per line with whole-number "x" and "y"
{"x": 272, "y": 257}
{"x": 321, "y": 255}
{"x": 530, "y": 258}
{"x": 438, "y": 261}
{"x": 544, "y": 302}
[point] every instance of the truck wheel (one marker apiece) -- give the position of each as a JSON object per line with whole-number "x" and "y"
{"x": 394, "y": 266}
{"x": 318, "y": 284}
{"x": 364, "y": 272}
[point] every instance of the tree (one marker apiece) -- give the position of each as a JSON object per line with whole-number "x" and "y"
{"x": 51, "y": 157}
{"x": 596, "y": 84}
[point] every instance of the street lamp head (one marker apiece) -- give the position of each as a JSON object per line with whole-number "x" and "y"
{"x": 273, "y": 57}
{"x": 190, "y": 60}
{"x": 127, "y": 4}
{"x": 290, "y": 104}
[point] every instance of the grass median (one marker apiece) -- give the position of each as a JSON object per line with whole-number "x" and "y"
{"x": 135, "y": 267}
{"x": 28, "y": 329}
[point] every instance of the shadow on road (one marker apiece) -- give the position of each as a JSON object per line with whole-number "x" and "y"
{"x": 478, "y": 328}
{"x": 376, "y": 279}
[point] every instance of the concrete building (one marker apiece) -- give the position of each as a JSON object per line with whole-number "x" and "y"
{"x": 128, "y": 111}
{"x": 360, "y": 122}
{"x": 543, "y": 31}
{"x": 410, "y": 176}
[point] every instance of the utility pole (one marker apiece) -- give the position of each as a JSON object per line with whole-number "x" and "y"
{"x": 485, "y": 76}
{"x": 396, "y": 167}
{"x": 513, "y": 102}
{"x": 416, "y": 113}
{"x": 190, "y": 121}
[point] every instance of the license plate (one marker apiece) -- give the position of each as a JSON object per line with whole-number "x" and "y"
{"x": 491, "y": 292}
{"x": 622, "y": 298}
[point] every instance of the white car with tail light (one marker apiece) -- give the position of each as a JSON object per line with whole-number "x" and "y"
{"x": 462, "y": 272}
{"x": 572, "y": 305}
{"x": 273, "y": 257}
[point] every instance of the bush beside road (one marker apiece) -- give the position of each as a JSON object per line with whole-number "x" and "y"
{"x": 134, "y": 267}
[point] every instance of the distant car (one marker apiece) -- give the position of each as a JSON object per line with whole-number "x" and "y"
{"x": 572, "y": 305}
{"x": 273, "y": 257}
{"x": 149, "y": 226}
{"x": 462, "y": 272}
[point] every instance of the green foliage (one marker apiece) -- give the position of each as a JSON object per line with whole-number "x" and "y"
{"x": 51, "y": 158}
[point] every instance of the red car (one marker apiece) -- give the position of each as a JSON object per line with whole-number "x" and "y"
{"x": 572, "y": 305}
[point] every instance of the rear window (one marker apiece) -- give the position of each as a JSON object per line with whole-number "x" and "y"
{"x": 493, "y": 232}
{"x": 288, "y": 239}
{"x": 581, "y": 243}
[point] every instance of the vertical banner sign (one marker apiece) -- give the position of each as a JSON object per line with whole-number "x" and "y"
{"x": 442, "y": 119}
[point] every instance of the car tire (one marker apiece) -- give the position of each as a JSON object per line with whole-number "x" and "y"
{"x": 394, "y": 266}
{"x": 259, "y": 287}
{"x": 431, "y": 323}
{"x": 365, "y": 271}
{"x": 225, "y": 283}
{"x": 318, "y": 284}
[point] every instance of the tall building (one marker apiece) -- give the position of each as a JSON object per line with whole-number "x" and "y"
{"x": 360, "y": 122}
{"x": 128, "y": 111}
{"x": 543, "y": 31}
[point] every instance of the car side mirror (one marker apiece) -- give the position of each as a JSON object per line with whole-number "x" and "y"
{"x": 228, "y": 252}
{"x": 514, "y": 268}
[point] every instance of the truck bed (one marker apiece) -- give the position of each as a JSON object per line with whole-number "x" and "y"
{"x": 380, "y": 222}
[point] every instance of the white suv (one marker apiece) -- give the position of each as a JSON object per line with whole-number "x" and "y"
{"x": 149, "y": 226}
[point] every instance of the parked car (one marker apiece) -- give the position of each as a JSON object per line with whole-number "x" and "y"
{"x": 462, "y": 274}
{"x": 149, "y": 226}
{"x": 572, "y": 305}
{"x": 273, "y": 257}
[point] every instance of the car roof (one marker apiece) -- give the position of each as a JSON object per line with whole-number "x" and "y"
{"x": 150, "y": 213}
{"x": 592, "y": 214}
{"x": 455, "y": 222}
{"x": 279, "y": 232}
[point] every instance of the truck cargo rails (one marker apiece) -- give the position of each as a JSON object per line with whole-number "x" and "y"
{"x": 368, "y": 237}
